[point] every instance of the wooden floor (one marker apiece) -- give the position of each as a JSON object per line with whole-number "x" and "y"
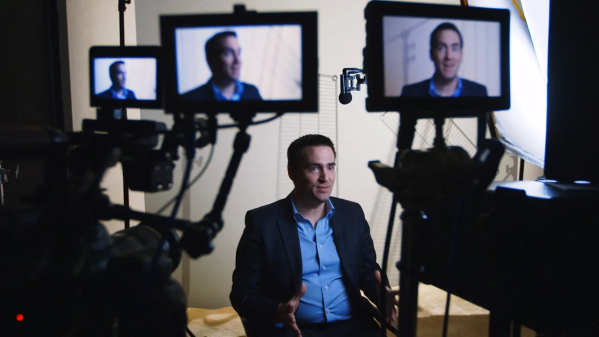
{"x": 466, "y": 319}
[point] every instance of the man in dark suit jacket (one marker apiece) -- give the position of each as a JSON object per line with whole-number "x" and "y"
{"x": 223, "y": 55}
{"x": 118, "y": 77}
{"x": 446, "y": 46}
{"x": 302, "y": 261}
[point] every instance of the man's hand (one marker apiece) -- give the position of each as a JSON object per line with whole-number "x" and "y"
{"x": 390, "y": 299}
{"x": 286, "y": 311}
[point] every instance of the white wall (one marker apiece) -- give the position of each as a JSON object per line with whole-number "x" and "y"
{"x": 362, "y": 137}
{"x": 96, "y": 22}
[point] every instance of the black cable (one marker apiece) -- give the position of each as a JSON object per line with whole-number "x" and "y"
{"x": 386, "y": 250}
{"x": 228, "y": 126}
{"x": 195, "y": 179}
{"x": 190, "y": 153}
{"x": 384, "y": 266}
{"x": 452, "y": 253}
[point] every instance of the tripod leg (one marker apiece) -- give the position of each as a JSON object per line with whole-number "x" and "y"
{"x": 516, "y": 329}
{"x": 410, "y": 266}
{"x": 499, "y": 324}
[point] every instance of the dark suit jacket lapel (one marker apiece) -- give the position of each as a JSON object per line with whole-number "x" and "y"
{"x": 338, "y": 223}
{"x": 290, "y": 237}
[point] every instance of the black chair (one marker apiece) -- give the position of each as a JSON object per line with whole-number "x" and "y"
{"x": 253, "y": 330}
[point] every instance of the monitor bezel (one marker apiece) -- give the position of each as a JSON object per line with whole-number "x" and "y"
{"x": 309, "y": 42}
{"x": 124, "y": 52}
{"x": 427, "y": 107}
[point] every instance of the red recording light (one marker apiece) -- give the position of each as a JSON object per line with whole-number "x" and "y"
{"x": 20, "y": 318}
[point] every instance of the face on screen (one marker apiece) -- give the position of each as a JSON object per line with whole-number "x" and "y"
{"x": 239, "y": 63}
{"x": 119, "y": 77}
{"x": 436, "y": 57}
{"x": 447, "y": 53}
{"x": 125, "y": 78}
{"x": 227, "y": 64}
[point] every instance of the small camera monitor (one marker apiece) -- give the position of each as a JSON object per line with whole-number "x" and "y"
{"x": 125, "y": 77}
{"x": 255, "y": 62}
{"x": 428, "y": 59}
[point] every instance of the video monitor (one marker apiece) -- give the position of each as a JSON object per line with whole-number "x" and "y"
{"x": 125, "y": 77}
{"x": 240, "y": 62}
{"x": 436, "y": 58}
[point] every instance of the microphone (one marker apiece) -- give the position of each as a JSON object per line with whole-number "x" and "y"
{"x": 345, "y": 95}
{"x": 350, "y": 81}
{"x": 345, "y": 98}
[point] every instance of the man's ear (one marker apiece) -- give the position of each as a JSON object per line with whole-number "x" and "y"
{"x": 290, "y": 173}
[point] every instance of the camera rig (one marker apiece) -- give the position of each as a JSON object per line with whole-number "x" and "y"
{"x": 421, "y": 180}
{"x": 59, "y": 261}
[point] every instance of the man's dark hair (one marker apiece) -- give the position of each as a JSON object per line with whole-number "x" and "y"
{"x": 212, "y": 46}
{"x": 442, "y": 27}
{"x": 114, "y": 68}
{"x": 294, "y": 151}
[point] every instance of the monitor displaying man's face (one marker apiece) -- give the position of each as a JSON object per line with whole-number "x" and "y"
{"x": 228, "y": 62}
{"x": 437, "y": 57}
{"x": 125, "y": 78}
{"x": 239, "y": 63}
{"x": 447, "y": 53}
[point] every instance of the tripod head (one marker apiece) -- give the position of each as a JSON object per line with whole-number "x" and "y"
{"x": 422, "y": 178}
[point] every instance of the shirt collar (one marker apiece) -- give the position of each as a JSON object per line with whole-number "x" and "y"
{"x": 236, "y": 95}
{"x": 329, "y": 205}
{"x": 123, "y": 96}
{"x": 456, "y": 93}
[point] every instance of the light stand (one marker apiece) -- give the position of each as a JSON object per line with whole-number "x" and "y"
{"x": 122, "y": 8}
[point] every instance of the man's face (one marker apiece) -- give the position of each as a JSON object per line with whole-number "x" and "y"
{"x": 120, "y": 76}
{"x": 315, "y": 175}
{"x": 447, "y": 53}
{"x": 228, "y": 63}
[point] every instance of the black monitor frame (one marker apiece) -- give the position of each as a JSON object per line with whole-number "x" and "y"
{"x": 427, "y": 107}
{"x": 130, "y": 51}
{"x": 308, "y": 23}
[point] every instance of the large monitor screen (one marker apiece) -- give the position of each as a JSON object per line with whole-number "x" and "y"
{"x": 240, "y": 63}
{"x": 437, "y": 57}
{"x": 222, "y": 63}
{"x": 426, "y": 57}
{"x": 125, "y": 77}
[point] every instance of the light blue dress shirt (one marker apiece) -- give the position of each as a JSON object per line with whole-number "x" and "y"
{"x": 116, "y": 96}
{"x": 326, "y": 298}
{"x": 236, "y": 95}
{"x": 456, "y": 93}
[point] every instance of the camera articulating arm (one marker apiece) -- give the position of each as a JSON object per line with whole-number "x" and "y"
{"x": 197, "y": 239}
